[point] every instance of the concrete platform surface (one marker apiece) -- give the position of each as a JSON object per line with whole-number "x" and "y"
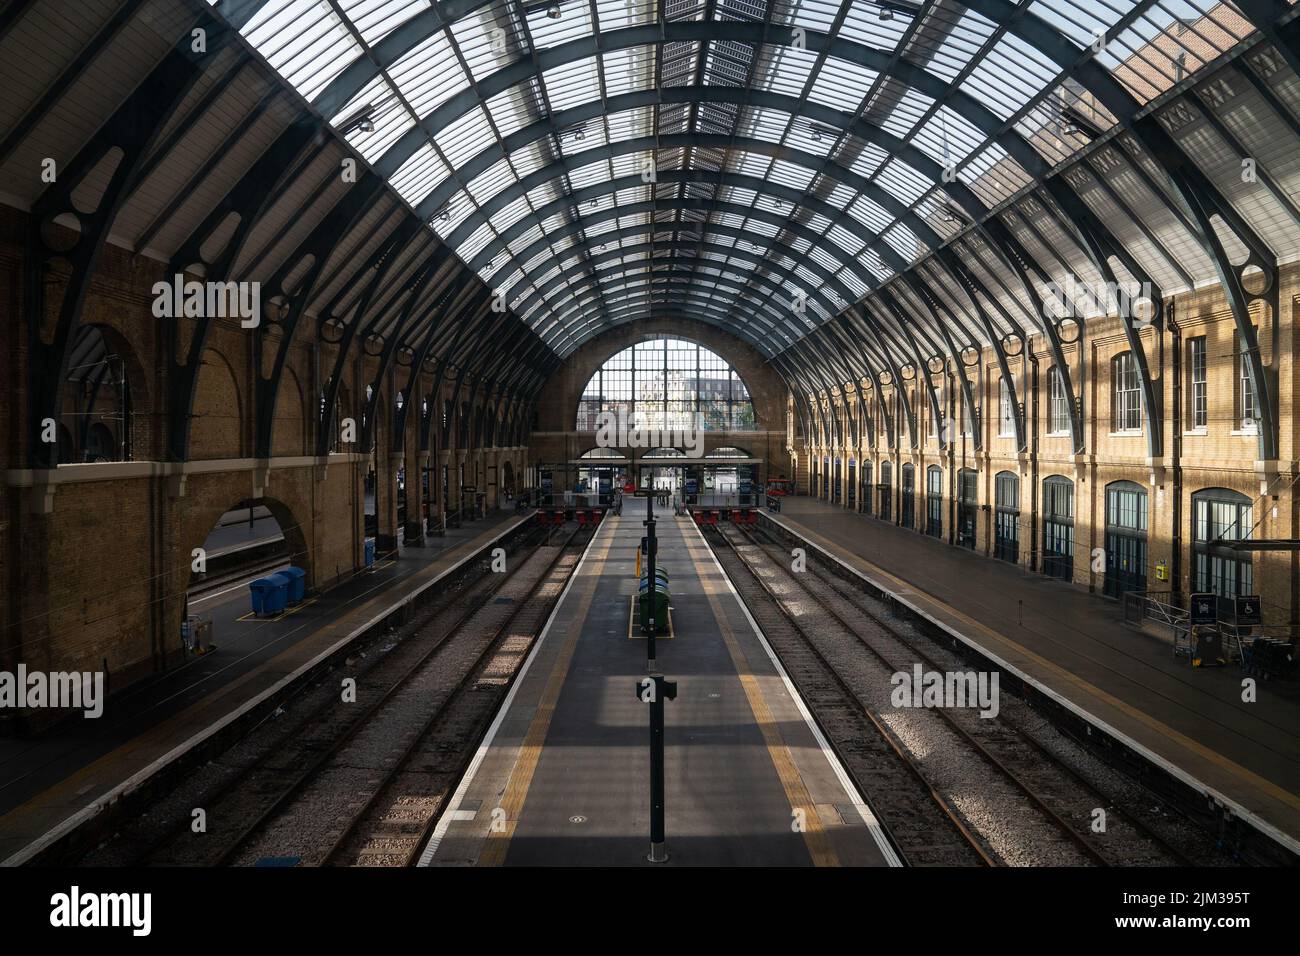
{"x": 563, "y": 776}
{"x": 48, "y": 781}
{"x": 1077, "y": 646}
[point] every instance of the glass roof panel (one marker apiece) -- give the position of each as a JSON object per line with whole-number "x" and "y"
{"x": 983, "y": 84}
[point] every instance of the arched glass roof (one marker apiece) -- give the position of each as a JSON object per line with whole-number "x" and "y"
{"x": 762, "y": 166}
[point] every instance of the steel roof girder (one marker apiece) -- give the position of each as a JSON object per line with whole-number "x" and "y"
{"x": 893, "y": 305}
{"x": 368, "y": 428}
{"x": 1017, "y": 258}
{"x": 1204, "y": 201}
{"x": 768, "y": 283}
{"x": 132, "y": 129}
{"x": 570, "y": 162}
{"x": 575, "y": 270}
{"x": 586, "y": 308}
{"x": 447, "y": 299}
{"x": 1101, "y": 245}
{"x": 896, "y": 379}
{"x": 931, "y": 303}
{"x": 645, "y": 299}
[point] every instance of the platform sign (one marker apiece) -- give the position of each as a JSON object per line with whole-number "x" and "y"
{"x": 1203, "y": 608}
{"x": 1248, "y": 609}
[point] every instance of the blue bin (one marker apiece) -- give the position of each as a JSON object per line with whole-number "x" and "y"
{"x": 269, "y": 594}
{"x": 370, "y": 551}
{"x": 285, "y": 584}
{"x": 297, "y": 584}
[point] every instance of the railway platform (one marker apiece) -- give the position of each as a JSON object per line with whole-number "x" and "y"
{"x": 562, "y": 776}
{"x": 50, "y": 783}
{"x": 1075, "y": 648}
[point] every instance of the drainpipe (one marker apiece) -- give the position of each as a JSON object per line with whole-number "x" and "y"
{"x": 1176, "y": 451}
{"x": 1035, "y": 533}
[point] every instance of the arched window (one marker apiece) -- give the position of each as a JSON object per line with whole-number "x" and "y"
{"x": 1126, "y": 391}
{"x": 667, "y": 383}
{"x": 1058, "y": 527}
{"x": 1058, "y": 406}
{"x": 1006, "y": 409}
{"x": 851, "y": 483}
{"x": 97, "y": 422}
{"x": 1220, "y": 515}
{"x": 886, "y": 490}
{"x": 664, "y": 453}
{"x": 1126, "y": 538}
{"x": 907, "y": 512}
{"x": 967, "y": 506}
{"x": 867, "y": 495}
{"x": 934, "y": 501}
{"x": 1006, "y": 530}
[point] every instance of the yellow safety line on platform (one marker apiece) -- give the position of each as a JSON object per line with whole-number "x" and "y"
{"x": 51, "y": 808}
{"x": 814, "y": 833}
{"x": 530, "y": 751}
{"x": 252, "y": 617}
{"x": 1224, "y": 763}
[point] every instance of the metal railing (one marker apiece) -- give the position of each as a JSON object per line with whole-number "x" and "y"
{"x": 1240, "y": 642}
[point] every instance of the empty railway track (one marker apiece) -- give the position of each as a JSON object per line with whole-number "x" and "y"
{"x": 949, "y": 785}
{"x": 361, "y": 774}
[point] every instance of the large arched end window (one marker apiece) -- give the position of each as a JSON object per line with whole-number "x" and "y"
{"x": 1219, "y": 516}
{"x": 665, "y": 383}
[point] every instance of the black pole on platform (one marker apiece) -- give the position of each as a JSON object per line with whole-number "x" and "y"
{"x": 651, "y": 549}
{"x": 654, "y": 690}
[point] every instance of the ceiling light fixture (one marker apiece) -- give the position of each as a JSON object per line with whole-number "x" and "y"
{"x": 362, "y": 120}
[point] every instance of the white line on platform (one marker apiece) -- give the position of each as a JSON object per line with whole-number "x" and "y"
{"x": 453, "y": 805}
{"x": 70, "y": 823}
{"x": 1173, "y": 769}
{"x": 846, "y": 782}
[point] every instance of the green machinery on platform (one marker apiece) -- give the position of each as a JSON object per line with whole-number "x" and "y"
{"x": 657, "y": 602}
